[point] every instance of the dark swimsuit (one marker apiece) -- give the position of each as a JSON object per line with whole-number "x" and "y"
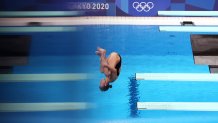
{"x": 118, "y": 65}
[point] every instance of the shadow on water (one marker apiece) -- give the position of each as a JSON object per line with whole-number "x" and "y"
{"x": 133, "y": 96}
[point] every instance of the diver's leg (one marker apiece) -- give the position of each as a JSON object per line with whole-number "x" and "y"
{"x": 103, "y": 60}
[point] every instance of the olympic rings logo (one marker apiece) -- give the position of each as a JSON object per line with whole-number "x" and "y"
{"x": 143, "y": 6}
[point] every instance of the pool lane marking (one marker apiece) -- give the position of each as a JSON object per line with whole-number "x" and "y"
{"x": 39, "y": 13}
{"x": 197, "y": 77}
{"x": 44, "y": 77}
{"x": 178, "y": 106}
{"x": 189, "y": 28}
{"x": 37, "y": 29}
{"x": 34, "y": 107}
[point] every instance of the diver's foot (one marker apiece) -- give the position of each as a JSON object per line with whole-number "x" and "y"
{"x": 101, "y": 50}
{"x": 98, "y": 53}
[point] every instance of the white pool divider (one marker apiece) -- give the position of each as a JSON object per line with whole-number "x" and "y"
{"x": 197, "y": 77}
{"x": 178, "y": 106}
{"x": 188, "y": 28}
{"x": 44, "y": 77}
{"x": 103, "y": 20}
{"x": 189, "y": 13}
{"x": 37, "y": 29}
{"x": 39, "y": 13}
{"x": 33, "y": 107}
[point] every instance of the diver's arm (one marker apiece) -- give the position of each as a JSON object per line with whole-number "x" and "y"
{"x": 107, "y": 79}
{"x": 112, "y": 69}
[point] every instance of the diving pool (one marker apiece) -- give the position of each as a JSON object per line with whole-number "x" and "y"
{"x": 143, "y": 49}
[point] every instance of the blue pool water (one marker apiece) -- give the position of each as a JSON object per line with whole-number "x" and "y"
{"x": 143, "y": 49}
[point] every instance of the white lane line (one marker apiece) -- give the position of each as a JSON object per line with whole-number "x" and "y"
{"x": 197, "y": 77}
{"x": 33, "y": 107}
{"x": 179, "y": 106}
{"x": 37, "y": 29}
{"x": 44, "y": 77}
{"x": 189, "y": 28}
{"x": 189, "y": 13}
{"x": 102, "y": 20}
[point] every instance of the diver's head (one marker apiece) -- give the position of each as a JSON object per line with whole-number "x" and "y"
{"x": 104, "y": 85}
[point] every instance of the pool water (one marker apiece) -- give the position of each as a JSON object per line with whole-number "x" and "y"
{"x": 143, "y": 49}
